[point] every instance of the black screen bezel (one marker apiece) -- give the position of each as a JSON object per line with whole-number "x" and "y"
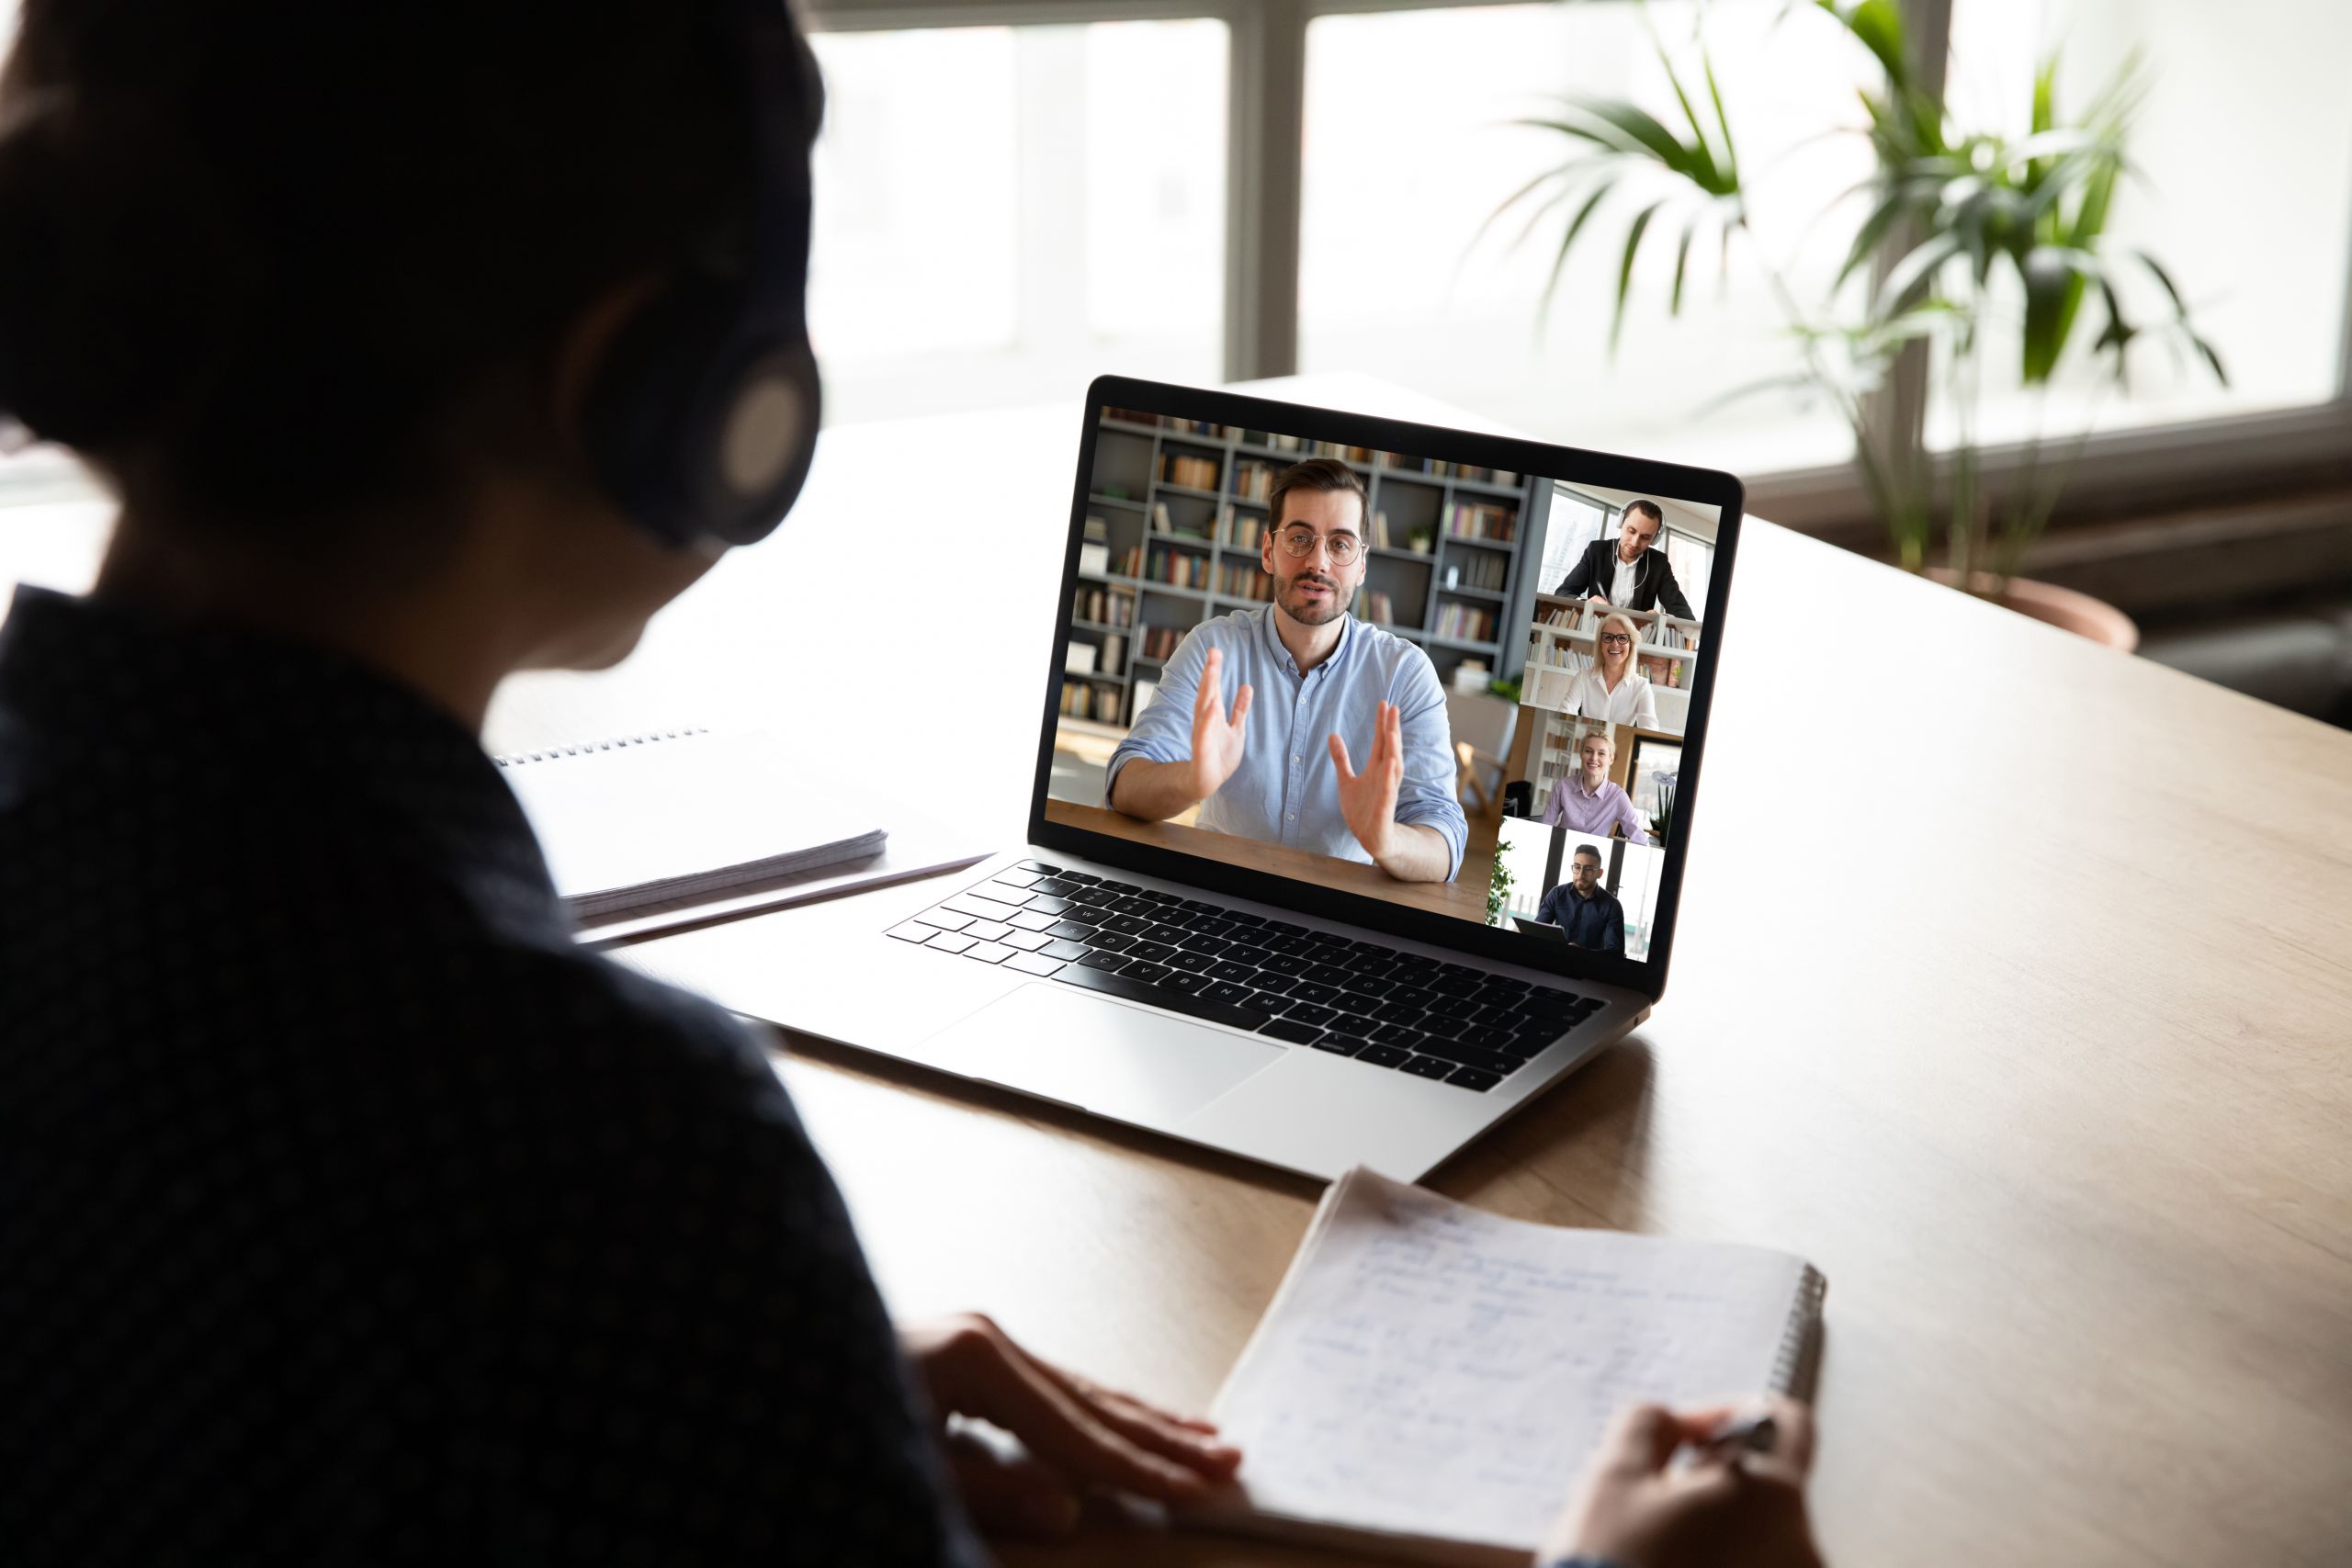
{"x": 1675, "y": 481}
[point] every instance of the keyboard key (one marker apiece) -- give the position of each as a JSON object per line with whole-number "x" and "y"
{"x": 1132, "y": 925}
{"x": 1496, "y": 1016}
{"x": 945, "y": 920}
{"x": 1030, "y": 920}
{"x": 1004, "y": 893}
{"x": 949, "y": 942}
{"x": 1228, "y": 970}
{"x": 1055, "y": 885}
{"x": 1073, "y": 929}
{"x": 1381, "y": 964}
{"x": 987, "y": 931}
{"x": 1473, "y": 1078}
{"x": 1219, "y": 990}
{"x": 1014, "y": 876}
{"x": 1160, "y": 997}
{"x": 1362, "y": 1007}
{"x": 979, "y": 909}
{"x": 913, "y": 931}
{"x": 1147, "y": 973}
{"x": 1241, "y": 919}
{"x": 1283, "y": 928}
{"x": 1134, "y": 904}
{"x": 1296, "y": 1033}
{"x": 1170, "y": 934}
{"x": 1026, "y": 941}
{"x": 1212, "y": 946}
{"x": 1394, "y": 1011}
{"x": 1210, "y": 925}
{"x": 1469, "y": 1055}
{"x": 1308, "y": 991}
{"x": 1246, "y": 953}
{"x": 1283, "y": 942}
{"x": 1399, "y": 1034}
{"x": 1094, "y": 897}
{"x": 1065, "y": 949}
{"x": 1045, "y": 906}
{"x": 1325, "y": 955}
{"x": 1040, "y": 867}
{"x": 1109, "y": 942}
{"x": 1084, "y": 878}
{"x": 1034, "y": 964}
{"x": 1152, "y": 952}
{"x": 1189, "y": 985}
{"x": 1267, "y": 980}
{"x": 1271, "y": 1003}
{"x": 1104, "y": 961}
{"x": 1384, "y": 1056}
{"x": 1304, "y": 1012}
{"x": 1450, "y": 1006}
{"x": 1191, "y": 963}
{"x": 1285, "y": 964}
{"x": 1428, "y": 1067}
{"x": 1166, "y": 900}
{"x": 1120, "y": 887}
{"x": 1373, "y": 985}
{"x": 1437, "y": 1024}
{"x": 1195, "y": 906}
{"x": 989, "y": 952}
{"x": 1328, "y": 975}
{"x": 1454, "y": 979}
{"x": 1411, "y": 995}
{"x": 1340, "y": 1044}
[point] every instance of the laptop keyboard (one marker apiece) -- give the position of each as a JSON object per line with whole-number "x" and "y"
{"x": 1381, "y": 1006}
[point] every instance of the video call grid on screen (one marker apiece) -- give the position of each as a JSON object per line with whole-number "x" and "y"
{"x": 1541, "y": 681}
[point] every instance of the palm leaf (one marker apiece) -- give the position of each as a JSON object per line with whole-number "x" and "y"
{"x": 1626, "y": 270}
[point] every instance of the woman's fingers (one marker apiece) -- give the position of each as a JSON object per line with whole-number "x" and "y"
{"x": 1186, "y": 1440}
{"x": 998, "y": 1381}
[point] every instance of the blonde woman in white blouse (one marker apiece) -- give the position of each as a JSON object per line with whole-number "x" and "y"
{"x": 1611, "y": 689}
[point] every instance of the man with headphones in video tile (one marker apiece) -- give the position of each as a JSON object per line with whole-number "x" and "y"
{"x": 348, "y": 1211}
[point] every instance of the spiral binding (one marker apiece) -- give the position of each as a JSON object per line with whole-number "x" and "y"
{"x": 553, "y": 752}
{"x": 1791, "y": 1367}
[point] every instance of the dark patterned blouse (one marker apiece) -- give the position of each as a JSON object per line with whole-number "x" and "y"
{"x": 348, "y": 1213}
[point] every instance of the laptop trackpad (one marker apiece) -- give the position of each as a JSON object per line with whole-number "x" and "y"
{"x": 1101, "y": 1056}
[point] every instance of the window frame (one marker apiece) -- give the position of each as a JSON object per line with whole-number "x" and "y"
{"x": 2119, "y": 472}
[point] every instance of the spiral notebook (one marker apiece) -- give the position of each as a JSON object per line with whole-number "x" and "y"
{"x": 671, "y": 818}
{"x": 1431, "y": 1379}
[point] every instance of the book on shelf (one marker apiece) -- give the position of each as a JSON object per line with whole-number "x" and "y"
{"x": 1242, "y": 580}
{"x": 1477, "y": 569}
{"x": 1492, "y": 521}
{"x": 1564, "y": 617}
{"x": 1380, "y": 531}
{"x": 1145, "y": 692}
{"x": 1253, "y": 481}
{"x": 1378, "y": 608}
{"x": 1104, "y": 606}
{"x": 1194, "y": 473}
{"x": 1160, "y": 522}
{"x": 1094, "y": 560}
{"x": 1161, "y": 642}
{"x": 1086, "y": 699}
{"x": 1466, "y": 623}
{"x": 1078, "y": 657}
{"x": 1242, "y": 532}
{"x": 1177, "y": 568}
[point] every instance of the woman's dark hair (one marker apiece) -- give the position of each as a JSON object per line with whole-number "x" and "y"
{"x": 266, "y": 259}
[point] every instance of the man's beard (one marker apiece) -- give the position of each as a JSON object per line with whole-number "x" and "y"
{"x": 1334, "y": 605}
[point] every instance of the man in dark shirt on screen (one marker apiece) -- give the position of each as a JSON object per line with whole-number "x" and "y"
{"x": 1586, "y": 910}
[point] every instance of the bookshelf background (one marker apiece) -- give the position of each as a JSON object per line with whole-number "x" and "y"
{"x": 1561, "y": 645}
{"x": 1175, "y": 511}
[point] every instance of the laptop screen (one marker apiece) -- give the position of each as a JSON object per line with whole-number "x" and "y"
{"x": 1439, "y": 683}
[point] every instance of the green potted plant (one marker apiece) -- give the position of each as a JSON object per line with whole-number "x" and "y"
{"x": 1419, "y": 540}
{"x": 1957, "y": 218}
{"x": 1498, "y": 881}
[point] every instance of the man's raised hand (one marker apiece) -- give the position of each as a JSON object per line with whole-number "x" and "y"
{"x": 1368, "y": 799}
{"x": 1217, "y": 738}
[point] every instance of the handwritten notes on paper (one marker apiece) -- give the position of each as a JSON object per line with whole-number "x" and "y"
{"x": 1430, "y": 1371}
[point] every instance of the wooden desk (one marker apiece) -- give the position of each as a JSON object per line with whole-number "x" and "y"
{"x": 2035, "y": 1035}
{"x": 1459, "y": 897}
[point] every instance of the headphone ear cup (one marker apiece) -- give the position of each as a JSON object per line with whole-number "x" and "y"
{"x": 698, "y": 431}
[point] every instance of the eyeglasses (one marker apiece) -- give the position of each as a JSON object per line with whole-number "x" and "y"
{"x": 1616, "y": 639}
{"x": 1299, "y": 543}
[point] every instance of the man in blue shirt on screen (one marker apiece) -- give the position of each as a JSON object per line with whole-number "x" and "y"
{"x": 1306, "y": 677}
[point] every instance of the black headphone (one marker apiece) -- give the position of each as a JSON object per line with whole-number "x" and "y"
{"x": 703, "y": 415}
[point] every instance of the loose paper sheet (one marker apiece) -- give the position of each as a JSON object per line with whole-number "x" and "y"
{"x": 1428, "y": 1369}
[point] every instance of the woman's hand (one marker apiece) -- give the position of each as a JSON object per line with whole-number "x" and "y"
{"x": 1078, "y": 1436}
{"x": 1633, "y": 1511}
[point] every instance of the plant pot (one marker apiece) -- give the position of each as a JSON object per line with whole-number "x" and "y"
{"x": 2052, "y": 605}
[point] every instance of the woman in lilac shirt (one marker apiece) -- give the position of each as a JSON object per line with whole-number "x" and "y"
{"x": 1586, "y": 802}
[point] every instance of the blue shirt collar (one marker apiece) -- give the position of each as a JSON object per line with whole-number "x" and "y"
{"x": 1282, "y": 655}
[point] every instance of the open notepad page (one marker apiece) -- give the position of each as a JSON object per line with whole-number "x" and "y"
{"x": 1430, "y": 1380}
{"x": 627, "y": 823}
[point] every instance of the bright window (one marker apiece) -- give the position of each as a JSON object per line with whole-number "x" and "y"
{"x": 1409, "y": 149}
{"x": 1004, "y": 213}
{"x": 2244, "y": 145}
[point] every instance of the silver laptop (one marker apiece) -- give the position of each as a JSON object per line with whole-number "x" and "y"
{"x": 1252, "y": 944}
